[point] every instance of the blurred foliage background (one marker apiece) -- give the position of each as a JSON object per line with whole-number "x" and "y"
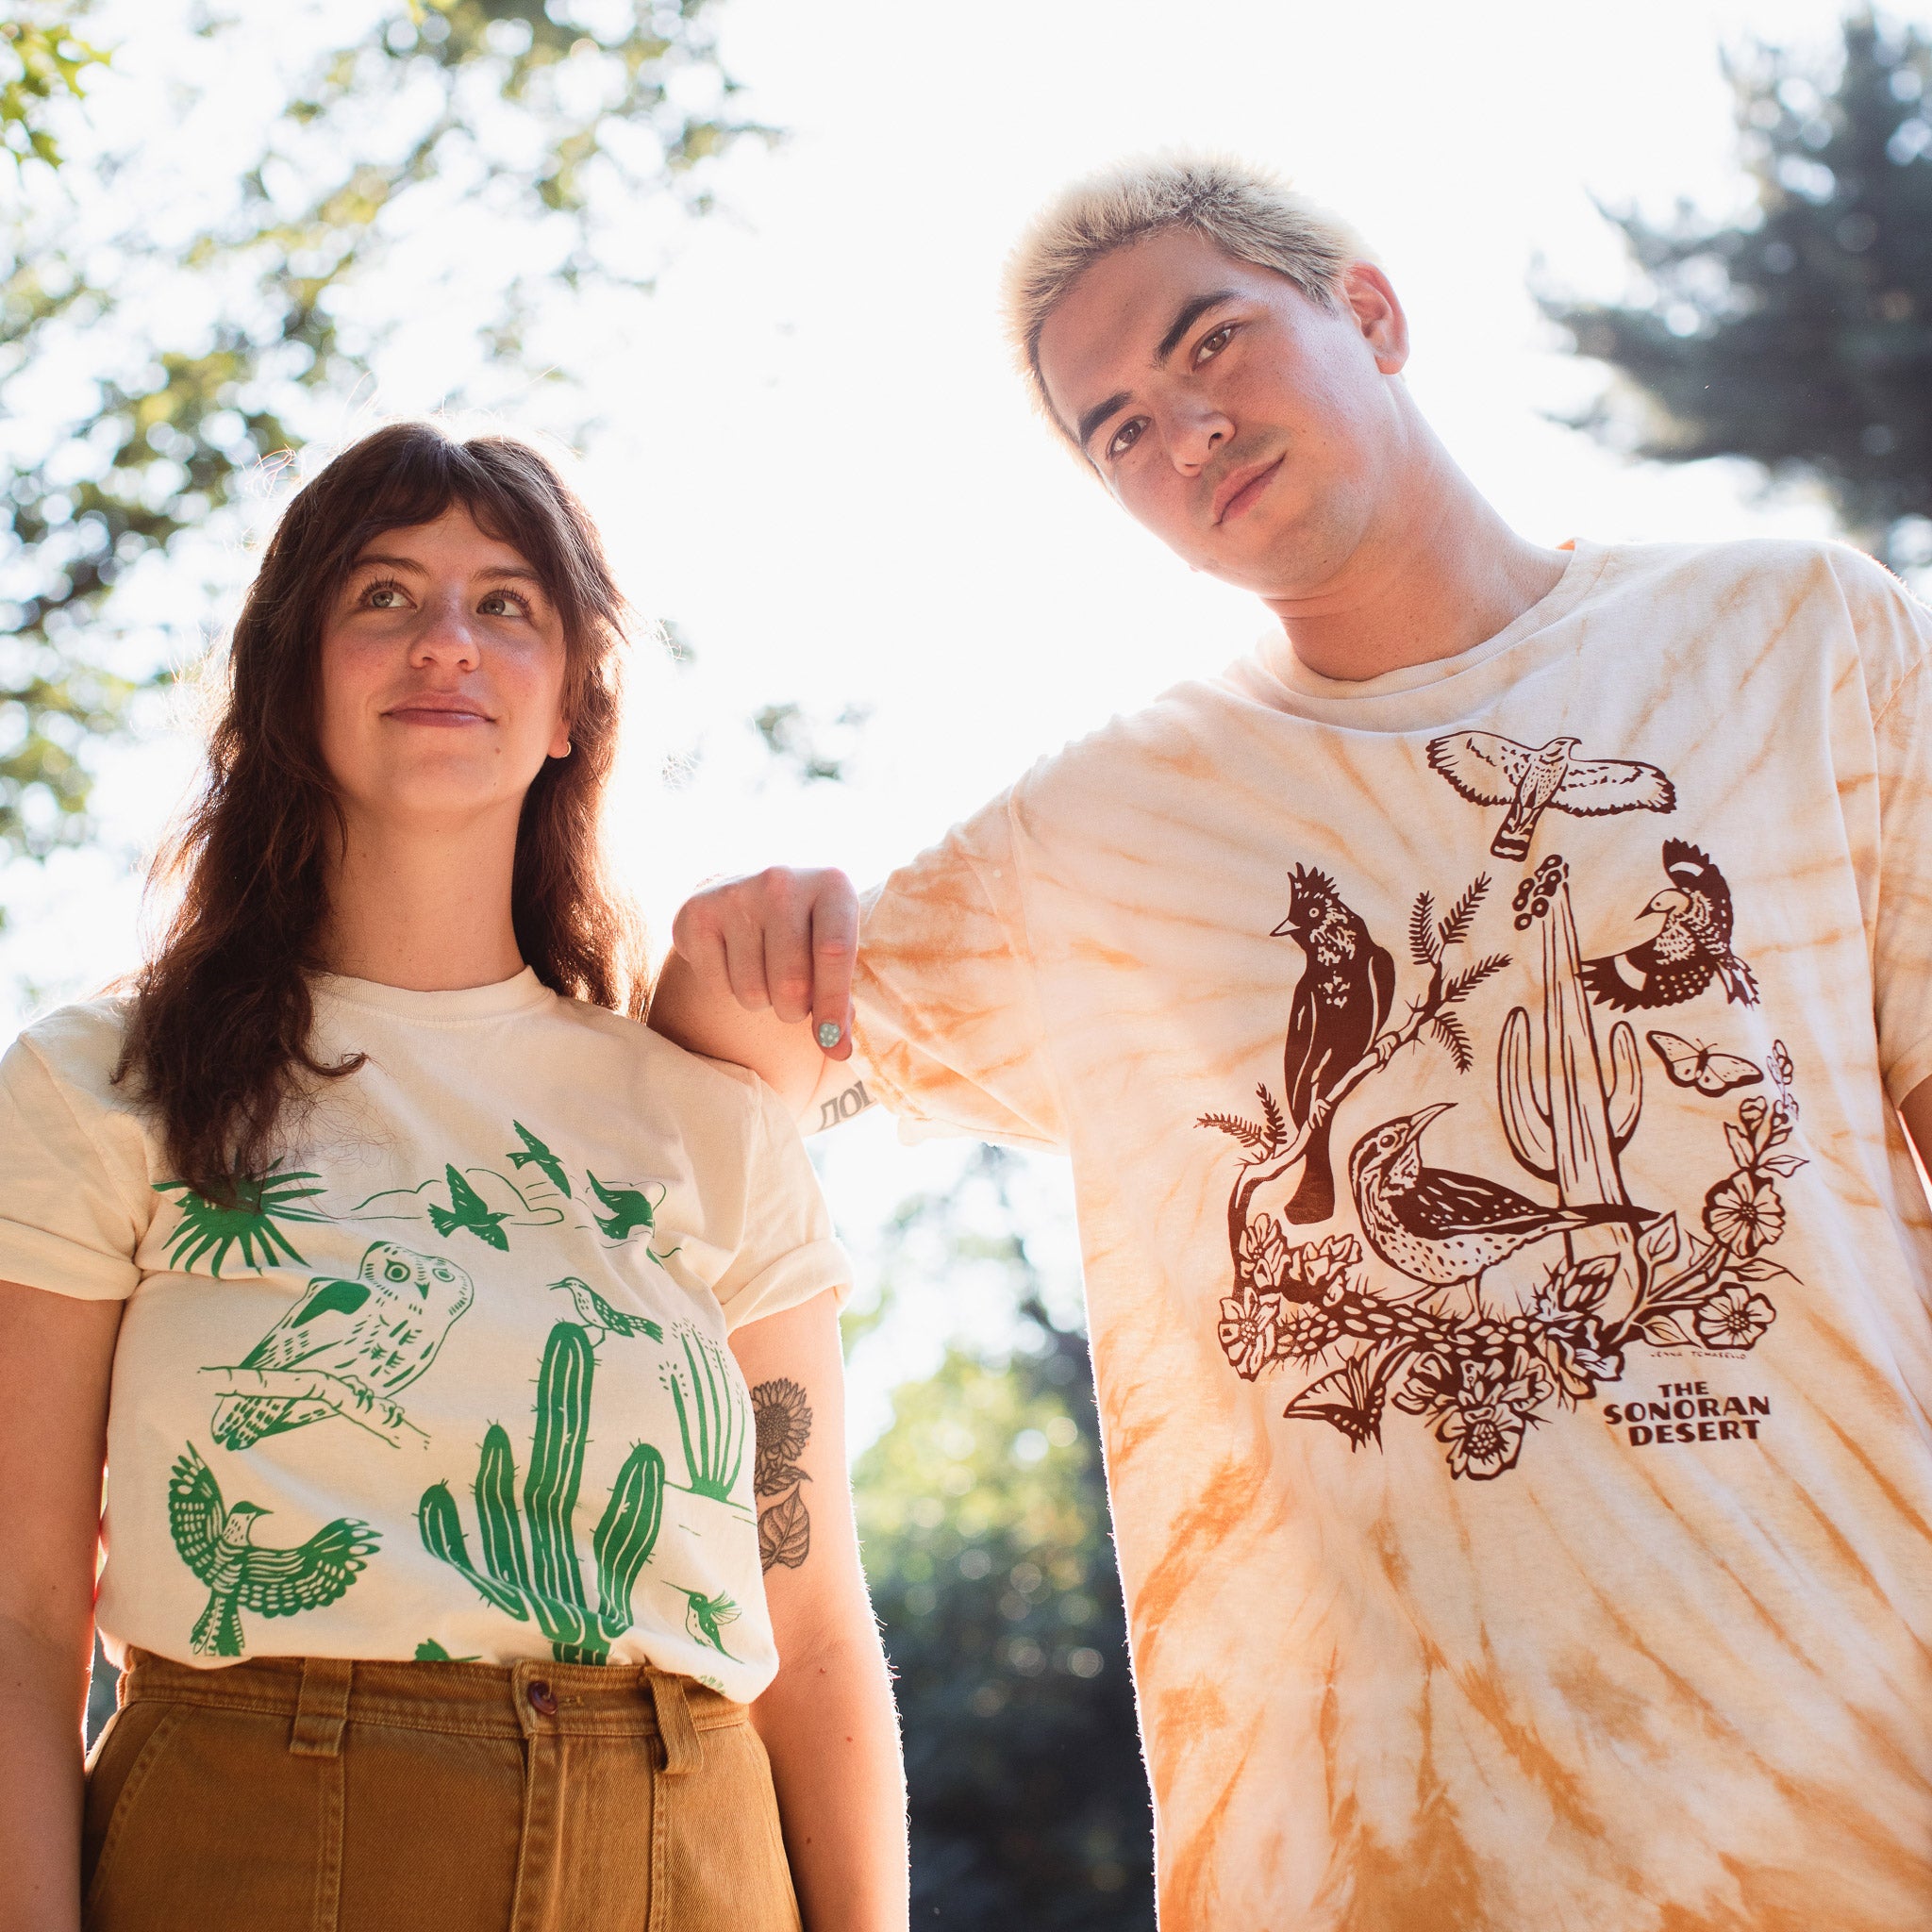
{"x": 190, "y": 299}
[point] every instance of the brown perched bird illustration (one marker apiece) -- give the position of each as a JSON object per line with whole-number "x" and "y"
{"x": 1445, "y": 1229}
{"x": 1532, "y": 779}
{"x": 1691, "y": 949}
{"x": 1340, "y": 1003}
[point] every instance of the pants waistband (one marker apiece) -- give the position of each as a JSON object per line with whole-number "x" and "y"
{"x": 533, "y": 1699}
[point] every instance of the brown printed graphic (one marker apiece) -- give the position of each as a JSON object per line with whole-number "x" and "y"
{"x": 1395, "y": 1315}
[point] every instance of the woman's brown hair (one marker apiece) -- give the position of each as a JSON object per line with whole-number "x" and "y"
{"x": 218, "y": 1039}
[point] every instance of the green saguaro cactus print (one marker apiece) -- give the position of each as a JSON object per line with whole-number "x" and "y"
{"x": 544, "y": 1578}
{"x": 712, "y": 1416}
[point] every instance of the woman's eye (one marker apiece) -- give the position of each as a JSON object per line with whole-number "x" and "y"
{"x": 1213, "y": 344}
{"x": 384, "y": 596}
{"x": 503, "y": 604}
{"x": 1125, "y": 438}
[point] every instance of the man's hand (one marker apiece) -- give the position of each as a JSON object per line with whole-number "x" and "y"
{"x": 761, "y": 974}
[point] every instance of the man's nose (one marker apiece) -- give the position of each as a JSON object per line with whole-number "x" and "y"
{"x": 445, "y": 635}
{"x": 1196, "y": 433}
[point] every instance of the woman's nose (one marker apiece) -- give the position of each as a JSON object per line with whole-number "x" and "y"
{"x": 445, "y": 636}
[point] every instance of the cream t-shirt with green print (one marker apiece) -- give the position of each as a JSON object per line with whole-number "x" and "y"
{"x": 451, "y": 1379}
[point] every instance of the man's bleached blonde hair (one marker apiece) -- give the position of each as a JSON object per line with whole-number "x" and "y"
{"x": 1246, "y": 212}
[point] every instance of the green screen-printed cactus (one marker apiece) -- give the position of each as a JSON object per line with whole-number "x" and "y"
{"x": 713, "y": 1416}
{"x": 1568, "y": 1118}
{"x": 546, "y": 1580}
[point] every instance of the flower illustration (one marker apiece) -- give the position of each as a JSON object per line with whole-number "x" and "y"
{"x": 1247, "y": 1330}
{"x": 1264, "y": 1256}
{"x": 1483, "y": 1429}
{"x": 1744, "y": 1213}
{"x": 1734, "y": 1317}
{"x": 1430, "y": 1383}
{"x": 781, "y": 1422}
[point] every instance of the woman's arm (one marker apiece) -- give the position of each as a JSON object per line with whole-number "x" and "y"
{"x": 828, "y": 1722}
{"x": 56, "y": 1359}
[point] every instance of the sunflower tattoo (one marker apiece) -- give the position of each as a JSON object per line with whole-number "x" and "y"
{"x": 783, "y": 1420}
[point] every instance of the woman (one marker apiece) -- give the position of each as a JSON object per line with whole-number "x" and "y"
{"x": 418, "y": 1302}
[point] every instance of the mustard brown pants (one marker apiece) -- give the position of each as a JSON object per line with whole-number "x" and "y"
{"x": 319, "y": 1795}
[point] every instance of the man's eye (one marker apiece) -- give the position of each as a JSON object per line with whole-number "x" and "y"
{"x": 1125, "y": 438}
{"x": 1212, "y": 344}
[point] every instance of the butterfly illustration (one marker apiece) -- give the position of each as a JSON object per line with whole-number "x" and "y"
{"x": 1689, "y": 1064}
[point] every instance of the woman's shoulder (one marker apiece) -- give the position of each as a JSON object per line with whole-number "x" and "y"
{"x": 81, "y": 1043}
{"x": 690, "y": 1077}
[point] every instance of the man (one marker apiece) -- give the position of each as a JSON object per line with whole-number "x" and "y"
{"x": 1478, "y": 1024}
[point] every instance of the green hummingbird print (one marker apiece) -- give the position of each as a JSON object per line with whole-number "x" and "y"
{"x": 594, "y": 1312}
{"x": 345, "y": 1350}
{"x": 535, "y": 1154}
{"x": 252, "y": 1224}
{"x": 217, "y": 1542}
{"x": 705, "y": 1614}
{"x": 468, "y": 1209}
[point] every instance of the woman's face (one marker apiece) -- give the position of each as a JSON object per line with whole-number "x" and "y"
{"x": 443, "y": 670}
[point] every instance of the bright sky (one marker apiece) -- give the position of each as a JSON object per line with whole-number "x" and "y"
{"x": 821, "y": 466}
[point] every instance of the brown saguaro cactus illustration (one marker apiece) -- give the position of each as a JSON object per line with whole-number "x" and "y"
{"x": 1566, "y": 1112}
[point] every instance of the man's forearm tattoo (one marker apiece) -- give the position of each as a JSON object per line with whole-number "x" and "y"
{"x": 783, "y": 1417}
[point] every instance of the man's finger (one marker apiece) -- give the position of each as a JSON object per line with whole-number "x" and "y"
{"x": 834, "y": 949}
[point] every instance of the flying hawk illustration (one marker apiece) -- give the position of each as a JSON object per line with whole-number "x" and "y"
{"x": 467, "y": 1209}
{"x": 594, "y": 1312}
{"x": 1691, "y": 949}
{"x": 630, "y": 1210}
{"x": 535, "y": 1154}
{"x": 218, "y": 1545}
{"x": 370, "y": 1337}
{"x": 1532, "y": 779}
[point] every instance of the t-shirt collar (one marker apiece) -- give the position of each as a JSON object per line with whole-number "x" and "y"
{"x": 1278, "y": 657}
{"x": 440, "y": 1008}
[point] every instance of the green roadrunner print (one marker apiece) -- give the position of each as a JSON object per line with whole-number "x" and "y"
{"x": 251, "y": 1222}
{"x": 217, "y": 1542}
{"x": 487, "y": 1204}
{"x": 346, "y": 1350}
{"x": 542, "y": 1576}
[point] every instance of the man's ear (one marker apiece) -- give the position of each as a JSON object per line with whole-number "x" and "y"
{"x": 1379, "y": 313}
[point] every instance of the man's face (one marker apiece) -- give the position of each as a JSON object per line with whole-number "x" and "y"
{"x": 1255, "y": 432}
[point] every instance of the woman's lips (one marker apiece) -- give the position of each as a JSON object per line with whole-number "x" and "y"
{"x": 442, "y": 716}
{"x": 1246, "y": 494}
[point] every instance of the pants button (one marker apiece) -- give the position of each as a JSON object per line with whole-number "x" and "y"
{"x": 543, "y": 1699}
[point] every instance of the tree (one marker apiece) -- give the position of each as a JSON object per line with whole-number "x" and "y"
{"x": 984, "y": 1516}
{"x": 151, "y": 366}
{"x": 1799, "y": 335}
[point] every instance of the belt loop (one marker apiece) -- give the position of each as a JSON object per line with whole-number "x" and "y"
{"x": 682, "y": 1750}
{"x": 322, "y": 1707}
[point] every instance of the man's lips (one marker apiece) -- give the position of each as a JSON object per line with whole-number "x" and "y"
{"x": 1237, "y": 492}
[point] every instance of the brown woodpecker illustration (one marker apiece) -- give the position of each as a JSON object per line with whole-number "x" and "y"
{"x": 1689, "y": 950}
{"x": 1532, "y": 779}
{"x": 1442, "y": 1228}
{"x": 1340, "y": 1003}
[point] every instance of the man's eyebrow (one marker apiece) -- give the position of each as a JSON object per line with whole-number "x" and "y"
{"x": 1190, "y": 312}
{"x": 1097, "y": 415}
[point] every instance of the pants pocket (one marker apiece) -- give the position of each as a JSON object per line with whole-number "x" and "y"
{"x": 201, "y": 1816}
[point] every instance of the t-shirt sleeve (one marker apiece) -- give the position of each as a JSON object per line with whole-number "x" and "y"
{"x": 788, "y": 1253}
{"x": 75, "y": 1200}
{"x": 1902, "y": 947}
{"x": 946, "y": 1003}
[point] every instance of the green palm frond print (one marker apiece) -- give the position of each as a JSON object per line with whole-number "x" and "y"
{"x": 261, "y": 1202}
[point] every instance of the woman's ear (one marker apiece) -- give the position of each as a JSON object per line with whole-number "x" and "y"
{"x": 559, "y": 743}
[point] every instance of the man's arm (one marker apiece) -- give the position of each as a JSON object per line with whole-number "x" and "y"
{"x": 1917, "y": 1112}
{"x": 761, "y": 974}
{"x": 828, "y": 1722}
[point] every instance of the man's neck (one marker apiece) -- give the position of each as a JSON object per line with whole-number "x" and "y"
{"x": 423, "y": 908}
{"x": 1438, "y": 572}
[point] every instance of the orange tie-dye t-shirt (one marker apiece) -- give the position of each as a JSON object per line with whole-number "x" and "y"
{"x": 1511, "y": 1287}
